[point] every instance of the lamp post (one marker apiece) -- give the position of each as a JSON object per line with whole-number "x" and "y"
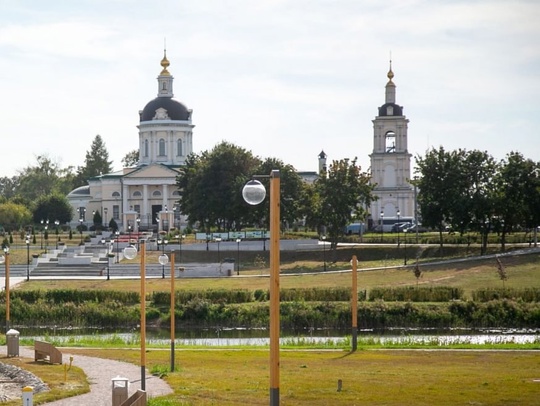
{"x": 57, "y": 223}
{"x": 42, "y": 221}
{"x": 81, "y": 220}
{"x": 324, "y": 250}
{"x": 5, "y": 259}
{"x": 130, "y": 252}
{"x": 405, "y": 247}
{"x": 218, "y": 240}
{"x": 382, "y": 226}
{"x": 180, "y": 237}
{"x": 129, "y": 233}
{"x": 254, "y": 193}
{"x": 238, "y": 256}
{"x": 163, "y": 243}
{"x": 173, "y": 300}
{"x": 117, "y": 235}
{"x": 46, "y": 235}
{"x": 138, "y": 220}
{"x": 398, "y": 214}
{"x": 354, "y": 303}
{"x": 27, "y": 257}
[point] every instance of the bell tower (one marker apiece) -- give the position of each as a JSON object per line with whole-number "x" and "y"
{"x": 391, "y": 160}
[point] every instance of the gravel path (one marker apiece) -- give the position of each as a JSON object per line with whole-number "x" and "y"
{"x": 100, "y": 373}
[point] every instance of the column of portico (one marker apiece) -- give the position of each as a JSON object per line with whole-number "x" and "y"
{"x": 165, "y": 196}
{"x": 125, "y": 206}
{"x": 145, "y": 205}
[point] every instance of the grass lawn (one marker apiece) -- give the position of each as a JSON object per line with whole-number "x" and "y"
{"x": 373, "y": 377}
{"x": 522, "y": 272}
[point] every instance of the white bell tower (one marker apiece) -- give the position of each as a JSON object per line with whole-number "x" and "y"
{"x": 391, "y": 160}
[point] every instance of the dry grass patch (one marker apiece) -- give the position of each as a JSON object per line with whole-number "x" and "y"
{"x": 75, "y": 383}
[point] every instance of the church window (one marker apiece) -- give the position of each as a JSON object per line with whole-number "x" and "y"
{"x": 178, "y": 147}
{"x": 146, "y": 148}
{"x": 137, "y": 208}
{"x": 137, "y": 193}
{"x": 116, "y": 212}
{"x": 389, "y": 110}
{"x": 164, "y": 86}
{"x": 156, "y": 193}
{"x": 161, "y": 147}
{"x": 176, "y": 193}
{"x": 390, "y": 142}
{"x": 116, "y": 194}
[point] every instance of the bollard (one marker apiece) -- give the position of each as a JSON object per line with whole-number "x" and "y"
{"x": 339, "y": 385}
{"x": 27, "y": 396}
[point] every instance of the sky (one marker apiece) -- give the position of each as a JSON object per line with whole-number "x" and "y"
{"x": 281, "y": 78}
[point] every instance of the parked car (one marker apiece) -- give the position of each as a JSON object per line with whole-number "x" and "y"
{"x": 400, "y": 227}
{"x": 412, "y": 229}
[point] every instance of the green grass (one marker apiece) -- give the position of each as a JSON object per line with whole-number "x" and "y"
{"x": 388, "y": 377}
{"x": 522, "y": 272}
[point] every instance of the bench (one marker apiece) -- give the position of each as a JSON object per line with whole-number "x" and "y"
{"x": 43, "y": 349}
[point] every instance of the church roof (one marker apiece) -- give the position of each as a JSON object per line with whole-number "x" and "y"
{"x": 396, "y": 111}
{"x": 173, "y": 109}
{"x": 80, "y": 191}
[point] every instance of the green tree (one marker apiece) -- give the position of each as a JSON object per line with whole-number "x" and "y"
{"x": 343, "y": 195}
{"x": 53, "y": 207}
{"x": 515, "y": 187}
{"x": 97, "y": 220}
{"x": 211, "y": 186}
{"x": 45, "y": 178}
{"x": 291, "y": 191}
{"x": 478, "y": 175}
{"x": 8, "y": 186}
{"x": 131, "y": 159}
{"x": 96, "y": 162}
{"x": 439, "y": 186}
{"x": 14, "y": 216}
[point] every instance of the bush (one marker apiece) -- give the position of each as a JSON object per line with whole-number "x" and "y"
{"x": 414, "y": 294}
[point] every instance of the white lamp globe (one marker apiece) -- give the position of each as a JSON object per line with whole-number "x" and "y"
{"x": 253, "y": 192}
{"x": 130, "y": 252}
{"x": 163, "y": 259}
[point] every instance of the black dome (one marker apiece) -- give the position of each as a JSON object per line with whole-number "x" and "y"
{"x": 175, "y": 109}
{"x": 396, "y": 111}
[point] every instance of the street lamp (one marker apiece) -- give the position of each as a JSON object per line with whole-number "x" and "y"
{"x": 57, "y": 223}
{"x": 180, "y": 237}
{"x": 27, "y": 257}
{"x": 46, "y": 235}
{"x": 117, "y": 235}
{"x": 163, "y": 242}
{"x": 5, "y": 259}
{"x": 218, "y": 240}
{"x": 382, "y": 225}
{"x": 398, "y": 228}
{"x": 238, "y": 256}
{"x": 80, "y": 228}
{"x": 324, "y": 250}
{"x": 354, "y": 303}
{"x": 42, "y": 221}
{"x": 254, "y": 193}
{"x": 130, "y": 252}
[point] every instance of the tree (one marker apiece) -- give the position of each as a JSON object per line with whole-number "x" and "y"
{"x": 211, "y": 186}
{"x": 53, "y": 207}
{"x": 43, "y": 179}
{"x": 14, "y": 216}
{"x": 8, "y": 186}
{"x": 439, "y": 188}
{"x": 515, "y": 187}
{"x": 343, "y": 194}
{"x": 291, "y": 190}
{"x": 131, "y": 159}
{"x": 97, "y": 220}
{"x": 96, "y": 162}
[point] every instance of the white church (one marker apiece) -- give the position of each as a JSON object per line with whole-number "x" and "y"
{"x": 144, "y": 197}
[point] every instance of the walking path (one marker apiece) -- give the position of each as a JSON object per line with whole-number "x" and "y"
{"x": 100, "y": 373}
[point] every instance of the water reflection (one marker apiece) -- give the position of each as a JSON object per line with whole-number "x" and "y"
{"x": 220, "y": 336}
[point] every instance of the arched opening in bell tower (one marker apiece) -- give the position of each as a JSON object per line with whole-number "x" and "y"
{"x": 390, "y": 142}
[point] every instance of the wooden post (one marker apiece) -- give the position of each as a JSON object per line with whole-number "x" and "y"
{"x": 354, "y": 303}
